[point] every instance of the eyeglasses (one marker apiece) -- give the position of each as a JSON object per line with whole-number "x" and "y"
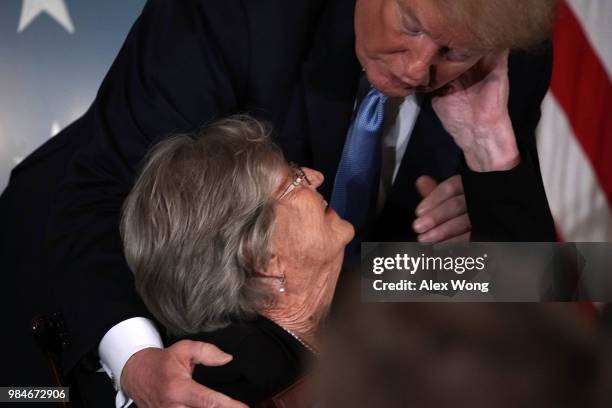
{"x": 299, "y": 178}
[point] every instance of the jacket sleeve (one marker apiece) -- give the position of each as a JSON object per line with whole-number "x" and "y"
{"x": 183, "y": 64}
{"x": 511, "y": 205}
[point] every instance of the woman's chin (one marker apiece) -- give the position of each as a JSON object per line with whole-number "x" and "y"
{"x": 350, "y": 232}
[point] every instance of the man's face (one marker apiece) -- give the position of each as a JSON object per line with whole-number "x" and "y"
{"x": 405, "y": 46}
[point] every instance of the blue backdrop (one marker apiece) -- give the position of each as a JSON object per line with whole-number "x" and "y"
{"x": 53, "y": 57}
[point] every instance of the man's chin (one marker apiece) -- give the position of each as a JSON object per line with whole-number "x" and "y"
{"x": 394, "y": 88}
{"x": 402, "y": 92}
{"x": 395, "y": 92}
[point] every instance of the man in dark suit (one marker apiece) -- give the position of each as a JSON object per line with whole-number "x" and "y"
{"x": 294, "y": 64}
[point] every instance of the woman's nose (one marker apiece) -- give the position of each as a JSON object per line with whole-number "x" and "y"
{"x": 315, "y": 177}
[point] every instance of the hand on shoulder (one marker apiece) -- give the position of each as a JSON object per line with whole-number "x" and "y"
{"x": 162, "y": 377}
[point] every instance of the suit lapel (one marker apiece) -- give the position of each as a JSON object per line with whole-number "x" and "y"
{"x": 330, "y": 77}
{"x": 431, "y": 151}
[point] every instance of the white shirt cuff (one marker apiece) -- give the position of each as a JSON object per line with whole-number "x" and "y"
{"x": 120, "y": 343}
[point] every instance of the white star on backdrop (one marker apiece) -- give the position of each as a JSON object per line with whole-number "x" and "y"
{"x": 55, "y": 128}
{"x": 57, "y": 9}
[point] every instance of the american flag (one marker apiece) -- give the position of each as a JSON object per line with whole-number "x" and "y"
{"x": 575, "y": 133}
{"x": 53, "y": 56}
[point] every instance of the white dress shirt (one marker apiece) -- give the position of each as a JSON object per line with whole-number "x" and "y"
{"x": 130, "y": 336}
{"x": 120, "y": 343}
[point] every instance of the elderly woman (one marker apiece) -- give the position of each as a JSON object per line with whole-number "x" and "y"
{"x": 231, "y": 245}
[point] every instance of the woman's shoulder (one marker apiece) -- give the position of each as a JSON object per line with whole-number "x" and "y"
{"x": 269, "y": 345}
{"x": 230, "y": 336}
{"x": 251, "y": 333}
{"x": 265, "y": 359}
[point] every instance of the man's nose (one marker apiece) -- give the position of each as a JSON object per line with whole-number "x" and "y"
{"x": 418, "y": 62}
{"x": 315, "y": 177}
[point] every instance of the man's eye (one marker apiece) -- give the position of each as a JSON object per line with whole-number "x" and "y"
{"x": 411, "y": 32}
{"x": 411, "y": 29}
{"x": 408, "y": 27}
{"x": 458, "y": 55}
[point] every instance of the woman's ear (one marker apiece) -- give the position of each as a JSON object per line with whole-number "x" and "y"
{"x": 273, "y": 268}
{"x": 273, "y": 274}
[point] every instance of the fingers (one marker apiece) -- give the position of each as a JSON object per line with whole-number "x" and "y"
{"x": 200, "y": 353}
{"x": 447, "y": 210}
{"x": 454, "y": 228}
{"x": 210, "y": 355}
{"x": 195, "y": 395}
{"x": 425, "y": 185}
{"x": 442, "y": 215}
{"x": 449, "y": 188}
{"x": 163, "y": 378}
{"x": 458, "y": 239}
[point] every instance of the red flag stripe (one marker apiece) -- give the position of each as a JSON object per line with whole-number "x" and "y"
{"x": 582, "y": 88}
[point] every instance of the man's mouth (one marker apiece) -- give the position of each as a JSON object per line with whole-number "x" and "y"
{"x": 408, "y": 86}
{"x": 399, "y": 83}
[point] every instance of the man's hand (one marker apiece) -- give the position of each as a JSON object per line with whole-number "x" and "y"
{"x": 162, "y": 377}
{"x": 442, "y": 215}
{"x": 474, "y": 110}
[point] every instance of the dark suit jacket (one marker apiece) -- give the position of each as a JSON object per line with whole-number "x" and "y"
{"x": 188, "y": 62}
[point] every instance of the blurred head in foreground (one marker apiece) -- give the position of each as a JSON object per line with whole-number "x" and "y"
{"x": 461, "y": 355}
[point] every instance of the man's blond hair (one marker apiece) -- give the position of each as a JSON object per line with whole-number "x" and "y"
{"x": 501, "y": 24}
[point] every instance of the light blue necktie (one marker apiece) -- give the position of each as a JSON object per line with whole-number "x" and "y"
{"x": 357, "y": 178}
